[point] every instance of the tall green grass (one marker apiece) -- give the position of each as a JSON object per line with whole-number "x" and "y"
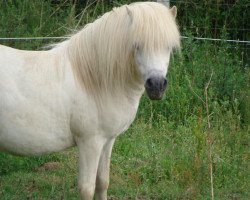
{"x": 164, "y": 154}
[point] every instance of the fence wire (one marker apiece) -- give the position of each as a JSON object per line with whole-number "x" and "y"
{"x": 224, "y": 21}
{"x": 183, "y": 37}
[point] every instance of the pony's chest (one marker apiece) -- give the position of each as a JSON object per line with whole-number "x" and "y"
{"x": 117, "y": 119}
{"x": 108, "y": 120}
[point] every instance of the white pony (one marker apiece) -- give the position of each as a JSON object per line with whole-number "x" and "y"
{"x": 86, "y": 90}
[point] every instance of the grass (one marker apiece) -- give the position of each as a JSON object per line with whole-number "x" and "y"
{"x": 163, "y": 161}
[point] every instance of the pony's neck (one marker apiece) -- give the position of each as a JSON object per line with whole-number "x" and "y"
{"x": 101, "y": 73}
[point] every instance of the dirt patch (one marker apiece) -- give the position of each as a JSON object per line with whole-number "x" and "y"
{"x": 50, "y": 166}
{"x": 32, "y": 187}
{"x": 128, "y": 198}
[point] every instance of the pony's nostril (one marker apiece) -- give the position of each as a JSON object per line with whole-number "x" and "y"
{"x": 165, "y": 82}
{"x": 149, "y": 83}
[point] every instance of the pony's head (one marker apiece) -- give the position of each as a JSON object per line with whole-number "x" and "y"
{"x": 155, "y": 35}
{"x": 127, "y": 47}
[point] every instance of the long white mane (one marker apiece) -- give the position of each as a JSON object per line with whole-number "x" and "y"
{"x": 101, "y": 54}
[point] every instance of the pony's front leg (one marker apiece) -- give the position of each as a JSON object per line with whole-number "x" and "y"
{"x": 102, "y": 179}
{"x": 89, "y": 154}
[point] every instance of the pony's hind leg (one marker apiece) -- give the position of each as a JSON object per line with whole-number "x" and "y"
{"x": 89, "y": 154}
{"x": 102, "y": 179}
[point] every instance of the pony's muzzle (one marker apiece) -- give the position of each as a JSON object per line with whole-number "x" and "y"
{"x": 155, "y": 87}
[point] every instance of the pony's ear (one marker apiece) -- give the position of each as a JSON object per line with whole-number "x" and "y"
{"x": 129, "y": 13}
{"x": 173, "y": 11}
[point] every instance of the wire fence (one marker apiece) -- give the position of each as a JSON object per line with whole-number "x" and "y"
{"x": 228, "y": 19}
{"x": 64, "y": 38}
{"x": 224, "y": 21}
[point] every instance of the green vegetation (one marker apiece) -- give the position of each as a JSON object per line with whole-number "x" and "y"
{"x": 164, "y": 155}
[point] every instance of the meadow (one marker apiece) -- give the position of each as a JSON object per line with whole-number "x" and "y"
{"x": 165, "y": 153}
